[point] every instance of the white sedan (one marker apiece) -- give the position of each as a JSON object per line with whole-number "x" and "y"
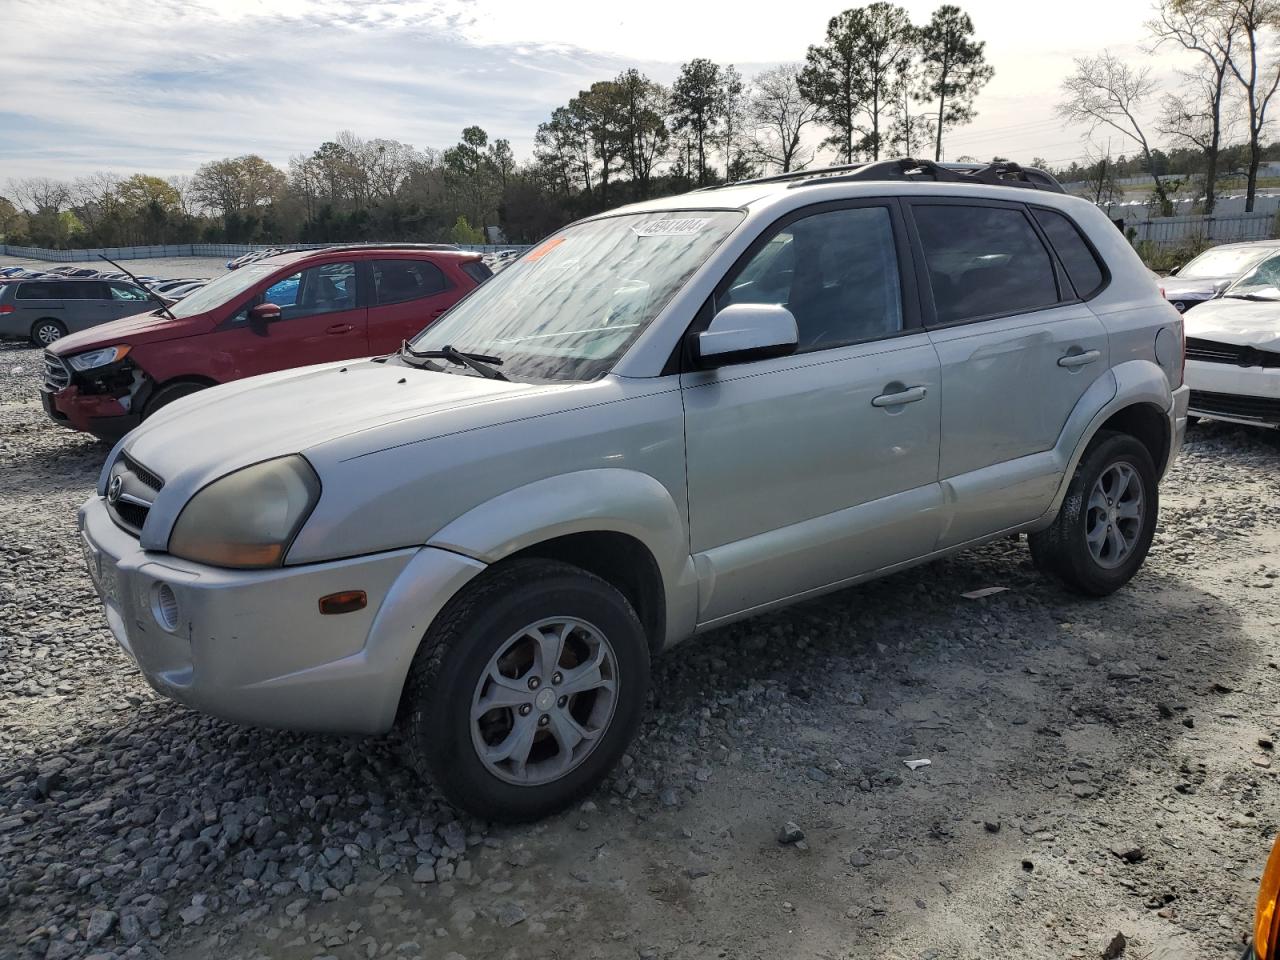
{"x": 1233, "y": 350}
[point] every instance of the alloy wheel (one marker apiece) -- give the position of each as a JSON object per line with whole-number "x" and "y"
{"x": 1113, "y": 519}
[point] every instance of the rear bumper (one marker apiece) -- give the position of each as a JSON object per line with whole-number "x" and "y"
{"x": 1177, "y": 423}
{"x": 251, "y": 646}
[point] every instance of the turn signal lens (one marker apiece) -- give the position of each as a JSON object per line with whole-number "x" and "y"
{"x": 1266, "y": 920}
{"x": 347, "y": 601}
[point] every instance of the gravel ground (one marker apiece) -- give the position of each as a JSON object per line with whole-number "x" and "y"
{"x": 1096, "y": 768}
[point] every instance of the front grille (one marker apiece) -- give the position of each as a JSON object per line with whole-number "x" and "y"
{"x": 1211, "y": 351}
{"x": 136, "y": 492}
{"x": 1259, "y": 409}
{"x": 56, "y": 374}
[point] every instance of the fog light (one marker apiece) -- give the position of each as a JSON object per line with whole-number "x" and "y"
{"x": 164, "y": 607}
{"x": 347, "y": 601}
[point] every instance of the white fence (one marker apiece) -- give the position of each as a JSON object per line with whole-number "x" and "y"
{"x": 194, "y": 250}
{"x": 1172, "y": 231}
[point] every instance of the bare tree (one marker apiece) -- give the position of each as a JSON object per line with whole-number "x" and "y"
{"x": 780, "y": 113}
{"x": 1254, "y": 64}
{"x": 1196, "y": 116}
{"x": 40, "y": 194}
{"x": 1106, "y": 92}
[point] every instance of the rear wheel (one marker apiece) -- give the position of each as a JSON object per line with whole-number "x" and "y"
{"x": 1104, "y": 528}
{"x": 47, "y": 331}
{"x": 526, "y": 690}
{"x": 167, "y": 394}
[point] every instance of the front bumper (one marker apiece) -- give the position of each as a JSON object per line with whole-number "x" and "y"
{"x": 1223, "y": 391}
{"x": 100, "y": 414}
{"x": 252, "y": 646}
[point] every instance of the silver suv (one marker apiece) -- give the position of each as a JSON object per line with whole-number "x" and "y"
{"x": 656, "y": 422}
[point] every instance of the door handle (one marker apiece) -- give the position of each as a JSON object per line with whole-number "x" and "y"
{"x": 910, "y": 395}
{"x": 1072, "y": 360}
{"x": 340, "y": 328}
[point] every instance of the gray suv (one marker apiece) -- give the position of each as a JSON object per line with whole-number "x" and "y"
{"x": 43, "y": 311}
{"x": 656, "y": 422}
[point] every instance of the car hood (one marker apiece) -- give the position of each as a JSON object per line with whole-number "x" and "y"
{"x": 134, "y": 330}
{"x": 1245, "y": 322}
{"x": 327, "y": 413}
{"x": 1175, "y": 288}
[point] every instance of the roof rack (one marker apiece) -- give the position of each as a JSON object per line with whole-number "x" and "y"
{"x": 1001, "y": 173}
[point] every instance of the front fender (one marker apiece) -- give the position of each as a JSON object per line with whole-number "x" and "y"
{"x": 1127, "y": 384}
{"x": 586, "y": 501}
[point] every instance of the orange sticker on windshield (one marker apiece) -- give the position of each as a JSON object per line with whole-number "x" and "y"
{"x": 540, "y": 251}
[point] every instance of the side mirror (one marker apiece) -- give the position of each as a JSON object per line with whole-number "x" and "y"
{"x": 263, "y": 314}
{"x": 1174, "y": 271}
{"x": 746, "y": 331}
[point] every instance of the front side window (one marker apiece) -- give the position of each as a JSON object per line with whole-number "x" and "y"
{"x": 837, "y": 272}
{"x": 395, "y": 281}
{"x": 125, "y": 291}
{"x": 328, "y": 288}
{"x": 570, "y": 307}
{"x": 983, "y": 261}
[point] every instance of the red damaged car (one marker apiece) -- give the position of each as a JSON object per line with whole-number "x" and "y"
{"x": 289, "y": 310}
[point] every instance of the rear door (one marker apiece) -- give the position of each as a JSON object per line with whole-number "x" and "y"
{"x": 1018, "y": 347}
{"x": 40, "y": 300}
{"x": 408, "y": 295}
{"x": 323, "y": 317}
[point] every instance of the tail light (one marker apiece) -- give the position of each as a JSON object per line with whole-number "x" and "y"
{"x": 6, "y": 308}
{"x": 1266, "y": 920}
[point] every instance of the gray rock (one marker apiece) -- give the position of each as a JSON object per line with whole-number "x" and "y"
{"x": 790, "y": 832}
{"x": 101, "y": 923}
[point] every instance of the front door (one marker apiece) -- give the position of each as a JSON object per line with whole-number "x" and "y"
{"x": 322, "y": 318}
{"x": 808, "y": 470}
{"x": 408, "y": 295}
{"x": 1018, "y": 349}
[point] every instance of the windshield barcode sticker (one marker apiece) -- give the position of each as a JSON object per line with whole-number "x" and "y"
{"x": 680, "y": 227}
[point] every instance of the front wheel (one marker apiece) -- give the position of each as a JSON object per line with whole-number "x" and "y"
{"x": 1104, "y": 528}
{"x": 526, "y": 690}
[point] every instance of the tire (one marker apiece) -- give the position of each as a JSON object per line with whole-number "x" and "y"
{"x": 167, "y": 394}
{"x": 451, "y": 673}
{"x": 1063, "y": 549}
{"x": 47, "y": 331}
{"x": 1192, "y": 420}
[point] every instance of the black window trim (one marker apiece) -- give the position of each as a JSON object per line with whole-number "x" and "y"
{"x": 363, "y": 277}
{"x": 1098, "y": 258}
{"x": 372, "y": 262}
{"x": 928, "y": 309}
{"x": 681, "y": 359}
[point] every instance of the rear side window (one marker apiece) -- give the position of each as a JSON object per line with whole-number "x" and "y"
{"x": 477, "y": 270}
{"x": 80, "y": 291}
{"x": 399, "y": 280}
{"x": 38, "y": 291}
{"x": 983, "y": 261}
{"x": 1083, "y": 269}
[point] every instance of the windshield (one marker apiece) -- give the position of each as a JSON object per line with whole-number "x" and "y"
{"x": 570, "y": 307}
{"x": 1259, "y": 283}
{"x": 226, "y": 287}
{"x": 1220, "y": 262}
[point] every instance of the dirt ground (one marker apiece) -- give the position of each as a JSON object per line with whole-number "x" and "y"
{"x": 1096, "y": 767}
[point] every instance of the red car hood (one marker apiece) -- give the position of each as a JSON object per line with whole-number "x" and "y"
{"x": 138, "y": 329}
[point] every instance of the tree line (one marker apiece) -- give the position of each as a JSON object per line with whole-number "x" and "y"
{"x": 1224, "y": 99}
{"x": 875, "y": 85}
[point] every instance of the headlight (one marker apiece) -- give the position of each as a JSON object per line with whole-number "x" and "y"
{"x": 98, "y": 358}
{"x": 247, "y": 518}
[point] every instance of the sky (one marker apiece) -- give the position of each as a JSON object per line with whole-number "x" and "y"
{"x": 161, "y": 86}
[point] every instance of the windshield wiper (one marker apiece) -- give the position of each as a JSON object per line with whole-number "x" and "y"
{"x": 1256, "y": 297}
{"x": 149, "y": 292}
{"x": 478, "y": 362}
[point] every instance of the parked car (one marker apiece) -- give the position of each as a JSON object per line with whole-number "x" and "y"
{"x": 44, "y": 311}
{"x": 283, "y": 312}
{"x": 656, "y": 422}
{"x": 1205, "y": 277}
{"x": 11, "y": 271}
{"x": 1233, "y": 350}
{"x": 185, "y": 289}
